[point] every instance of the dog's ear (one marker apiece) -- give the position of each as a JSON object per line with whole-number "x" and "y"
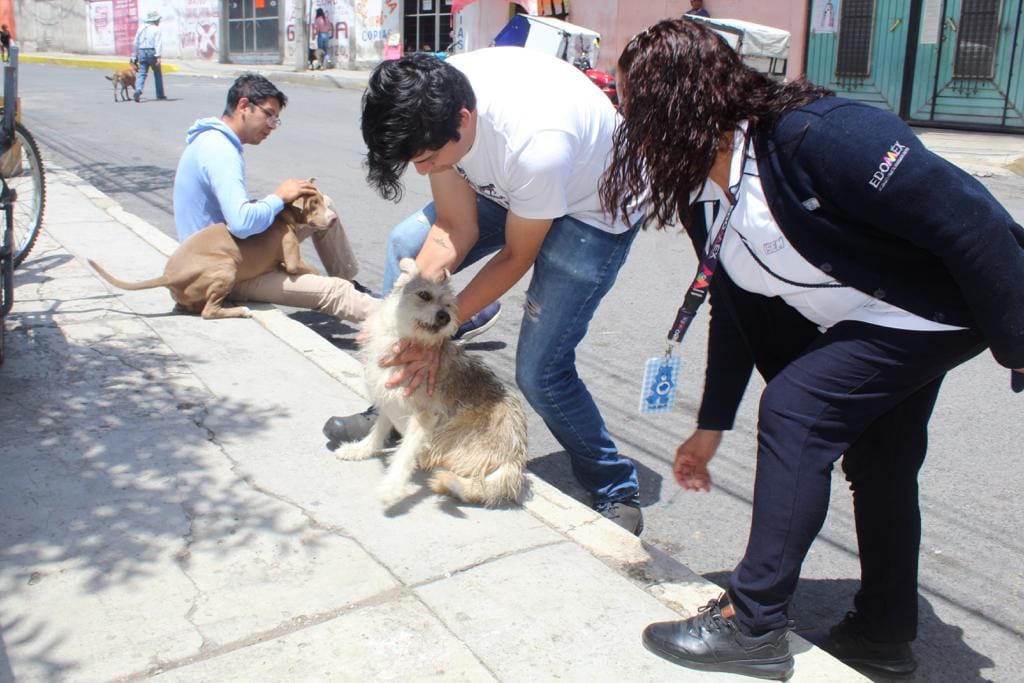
{"x": 312, "y": 180}
{"x": 409, "y": 267}
{"x": 409, "y": 271}
{"x": 445, "y": 276}
{"x": 287, "y": 216}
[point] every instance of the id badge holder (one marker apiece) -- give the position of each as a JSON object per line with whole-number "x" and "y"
{"x": 658, "y": 390}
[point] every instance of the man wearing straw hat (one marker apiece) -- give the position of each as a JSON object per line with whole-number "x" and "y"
{"x": 146, "y": 50}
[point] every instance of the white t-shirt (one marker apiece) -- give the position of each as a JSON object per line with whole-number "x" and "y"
{"x": 817, "y": 296}
{"x": 543, "y": 135}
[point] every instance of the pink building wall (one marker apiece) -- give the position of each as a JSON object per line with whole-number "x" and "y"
{"x": 619, "y": 20}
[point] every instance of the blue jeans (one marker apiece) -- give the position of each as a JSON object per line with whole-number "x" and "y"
{"x": 575, "y": 268}
{"x": 147, "y": 61}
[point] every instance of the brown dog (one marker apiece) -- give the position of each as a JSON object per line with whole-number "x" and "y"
{"x": 124, "y": 79}
{"x": 204, "y": 269}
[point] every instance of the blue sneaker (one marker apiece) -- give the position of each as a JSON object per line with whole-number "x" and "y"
{"x": 479, "y": 323}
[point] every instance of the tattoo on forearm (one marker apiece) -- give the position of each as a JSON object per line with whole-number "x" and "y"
{"x": 442, "y": 242}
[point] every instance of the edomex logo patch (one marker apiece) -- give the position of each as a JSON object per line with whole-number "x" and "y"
{"x": 893, "y": 157}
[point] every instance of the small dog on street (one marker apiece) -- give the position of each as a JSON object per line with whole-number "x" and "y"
{"x": 470, "y": 433}
{"x": 124, "y": 79}
{"x": 204, "y": 269}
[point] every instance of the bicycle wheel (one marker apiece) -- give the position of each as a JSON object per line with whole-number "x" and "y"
{"x": 22, "y": 168}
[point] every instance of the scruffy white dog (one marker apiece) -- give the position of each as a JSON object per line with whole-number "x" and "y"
{"x": 471, "y": 432}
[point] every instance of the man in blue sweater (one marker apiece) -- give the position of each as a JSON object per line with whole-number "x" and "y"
{"x": 209, "y": 187}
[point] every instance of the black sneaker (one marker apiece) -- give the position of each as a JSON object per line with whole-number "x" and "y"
{"x": 343, "y": 429}
{"x": 846, "y": 642}
{"x": 137, "y": 96}
{"x": 626, "y": 513}
{"x": 479, "y": 323}
{"x": 712, "y": 642}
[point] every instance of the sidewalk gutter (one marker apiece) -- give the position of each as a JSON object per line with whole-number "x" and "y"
{"x": 89, "y": 62}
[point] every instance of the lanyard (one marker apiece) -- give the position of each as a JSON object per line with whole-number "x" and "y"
{"x": 698, "y": 290}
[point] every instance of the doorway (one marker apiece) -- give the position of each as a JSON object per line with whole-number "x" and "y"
{"x": 254, "y": 31}
{"x": 954, "y": 63}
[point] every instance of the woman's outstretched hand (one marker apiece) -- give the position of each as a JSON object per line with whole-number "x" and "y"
{"x": 692, "y": 457}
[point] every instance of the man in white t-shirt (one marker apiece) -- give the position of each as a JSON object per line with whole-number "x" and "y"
{"x": 514, "y": 143}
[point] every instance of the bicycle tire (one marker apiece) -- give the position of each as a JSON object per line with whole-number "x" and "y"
{"x": 22, "y": 168}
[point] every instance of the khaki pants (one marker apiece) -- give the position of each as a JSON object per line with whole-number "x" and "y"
{"x": 333, "y": 293}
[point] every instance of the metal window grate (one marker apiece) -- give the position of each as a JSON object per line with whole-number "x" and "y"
{"x": 976, "y": 39}
{"x": 427, "y": 25}
{"x": 856, "y": 22}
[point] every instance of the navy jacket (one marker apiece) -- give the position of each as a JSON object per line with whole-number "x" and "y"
{"x": 857, "y": 195}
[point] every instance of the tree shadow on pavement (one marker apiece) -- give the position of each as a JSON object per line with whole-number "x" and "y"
{"x": 110, "y": 474}
{"x": 940, "y": 650}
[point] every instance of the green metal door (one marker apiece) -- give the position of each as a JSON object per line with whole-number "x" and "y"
{"x": 858, "y": 48}
{"x": 968, "y": 66}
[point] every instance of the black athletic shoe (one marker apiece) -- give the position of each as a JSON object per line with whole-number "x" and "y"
{"x": 626, "y": 513}
{"x": 846, "y": 642}
{"x": 343, "y": 429}
{"x": 137, "y": 96}
{"x": 712, "y": 642}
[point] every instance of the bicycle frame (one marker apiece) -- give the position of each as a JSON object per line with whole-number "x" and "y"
{"x": 7, "y": 195}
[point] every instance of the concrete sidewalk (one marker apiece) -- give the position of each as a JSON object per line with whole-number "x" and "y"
{"x": 170, "y": 509}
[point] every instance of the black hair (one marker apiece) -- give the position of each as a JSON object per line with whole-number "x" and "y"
{"x": 681, "y": 89}
{"x": 320, "y": 12}
{"x": 254, "y": 87}
{"x": 411, "y": 105}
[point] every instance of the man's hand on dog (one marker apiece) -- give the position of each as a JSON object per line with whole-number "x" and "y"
{"x": 292, "y": 189}
{"x": 417, "y": 363}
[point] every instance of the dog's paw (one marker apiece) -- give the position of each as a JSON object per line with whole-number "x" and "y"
{"x": 390, "y": 492}
{"x": 350, "y": 451}
{"x": 246, "y": 311}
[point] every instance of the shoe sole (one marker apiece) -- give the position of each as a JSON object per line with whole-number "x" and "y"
{"x": 897, "y": 670}
{"x": 774, "y": 669}
{"x": 480, "y": 330}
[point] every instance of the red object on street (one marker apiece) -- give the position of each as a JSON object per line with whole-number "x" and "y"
{"x": 606, "y": 82}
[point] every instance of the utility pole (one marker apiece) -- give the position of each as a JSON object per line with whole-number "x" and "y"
{"x": 301, "y": 36}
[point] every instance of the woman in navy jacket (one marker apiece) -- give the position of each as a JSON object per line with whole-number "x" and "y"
{"x": 855, "y": 269}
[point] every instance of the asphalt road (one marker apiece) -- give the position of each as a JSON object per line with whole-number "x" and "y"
{"x": 972, "y": 582}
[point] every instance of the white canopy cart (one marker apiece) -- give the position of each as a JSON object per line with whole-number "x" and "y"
{"x": 763, "y": 47}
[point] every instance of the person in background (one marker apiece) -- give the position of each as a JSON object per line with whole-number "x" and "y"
{"x": 5, "y": 42}
{"x": 855, "y": 268}
{"x": 146, "y": 50}
{"x": 322, "y": 29}
{"x": 697, "y": 9}
{"x": 209, "y": 187}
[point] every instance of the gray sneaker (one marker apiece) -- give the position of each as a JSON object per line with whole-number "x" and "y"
{"x": 478, "y": 323}
{"x": 626, "y": 513}
{"x": 347, "y": 428}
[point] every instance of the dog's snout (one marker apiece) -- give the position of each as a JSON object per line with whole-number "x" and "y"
{"x": 442, "y": 318}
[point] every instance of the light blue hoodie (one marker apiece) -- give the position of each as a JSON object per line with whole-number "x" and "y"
{"x": 209, "y": 186}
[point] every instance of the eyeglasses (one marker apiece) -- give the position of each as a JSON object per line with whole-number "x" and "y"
{"x": 273, "y": 120}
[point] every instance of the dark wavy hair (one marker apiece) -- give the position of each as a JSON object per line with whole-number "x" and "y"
{"x": 411, "y": 105}
{"x": 254, "y": 87}
{"x": 682, "y": 89}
